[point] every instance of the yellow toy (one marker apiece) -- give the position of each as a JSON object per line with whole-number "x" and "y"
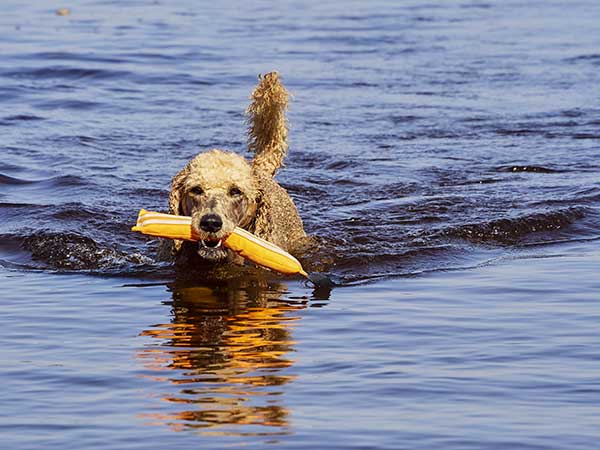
{"x": 240, "y": 241}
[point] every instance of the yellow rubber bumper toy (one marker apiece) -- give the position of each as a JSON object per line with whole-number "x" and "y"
{"x": 240, "y": 241}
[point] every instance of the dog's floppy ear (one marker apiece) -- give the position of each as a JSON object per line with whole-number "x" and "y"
{"x": 176, "y": 193}
{"x": 175, "y": 197}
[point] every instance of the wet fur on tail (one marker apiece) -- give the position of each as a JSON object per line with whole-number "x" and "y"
{"x": 267, "y": 125}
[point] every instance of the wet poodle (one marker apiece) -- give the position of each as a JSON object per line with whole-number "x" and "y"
{"x": 221, "y": 190}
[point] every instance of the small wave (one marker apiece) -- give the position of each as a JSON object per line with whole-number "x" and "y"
{"x": 80, "y": 105}
{"x": 169, "y": 78}
{"x": 401, "y": 119}
{"x": 68, "y": 56}
{"x": 13, "y": 205}
{"x": 71, "y": 251}
{"x": 5, "y": 165}
{"x": 581, "y": 136}
{"x": 471, "y": 182}
{"x": 148, "y": 56}
{"x": 12, "y": 181}
{"x": 340, "y": 165}
{"x": 65, "y": 181}
{"x": 593, "y": 58}
{"x": 65, "y": 73}
{"x": 510, "y": 231}
{"x": 76, "y": 211}
{"x": 517, "y": 132}
{"x": 22, "y": 118}
{"x": 59, "y": 181}
{"x": 531, "y": 169}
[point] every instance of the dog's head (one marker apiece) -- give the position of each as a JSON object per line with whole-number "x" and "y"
{"x": 219, "y": 191}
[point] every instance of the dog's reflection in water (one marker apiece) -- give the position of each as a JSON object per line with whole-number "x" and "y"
{"x": 225, "y": 358}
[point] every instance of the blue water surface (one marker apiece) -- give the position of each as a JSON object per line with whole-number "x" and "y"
{"x": 446, "y": 157}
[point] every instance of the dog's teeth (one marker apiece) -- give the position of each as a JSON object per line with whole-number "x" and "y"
{"x": 213, "y": 244}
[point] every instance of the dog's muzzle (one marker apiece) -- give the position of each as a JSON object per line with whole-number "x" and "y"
{"x": 211, "y": 247}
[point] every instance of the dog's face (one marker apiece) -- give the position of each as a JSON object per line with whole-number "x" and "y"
{"x": 219, "y": 191}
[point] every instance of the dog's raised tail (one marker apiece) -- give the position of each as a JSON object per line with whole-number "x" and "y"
{"x": 267, "y": 124}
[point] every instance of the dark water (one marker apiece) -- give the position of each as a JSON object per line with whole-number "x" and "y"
{"x": 447, "y": 156}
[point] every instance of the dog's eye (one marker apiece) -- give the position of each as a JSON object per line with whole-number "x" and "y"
{"x": 196, "y": 190}
{"x": 235, "y": 191}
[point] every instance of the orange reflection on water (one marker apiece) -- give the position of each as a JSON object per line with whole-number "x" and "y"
{"x": 223, "y": 360}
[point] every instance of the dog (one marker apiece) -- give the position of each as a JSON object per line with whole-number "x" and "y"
{"x": 221, "y": 190}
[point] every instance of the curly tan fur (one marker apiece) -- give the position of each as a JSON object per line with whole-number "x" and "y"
{"x": 223, "y": 184}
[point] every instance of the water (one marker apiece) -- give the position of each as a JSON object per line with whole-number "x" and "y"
{"x": 445, "y": 155}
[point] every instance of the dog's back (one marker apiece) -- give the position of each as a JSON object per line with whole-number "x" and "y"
{"x": 267, "y": 138}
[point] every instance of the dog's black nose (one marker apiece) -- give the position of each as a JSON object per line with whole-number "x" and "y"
{"x": 211, "y": 223}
